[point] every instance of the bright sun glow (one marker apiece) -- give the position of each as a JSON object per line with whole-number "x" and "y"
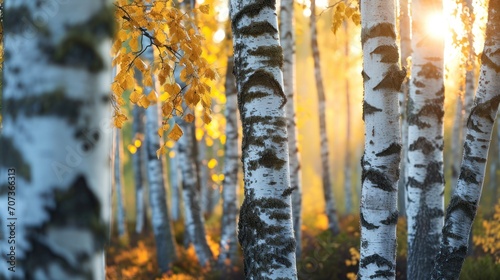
{"x": 437, "y": 26}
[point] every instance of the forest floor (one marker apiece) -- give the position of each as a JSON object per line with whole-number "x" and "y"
{"x": 323, "y": 256}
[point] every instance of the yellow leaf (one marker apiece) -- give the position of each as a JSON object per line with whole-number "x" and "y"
{"x": 205, "y": 9}
{"x": 135, "y": 96}
{"x": 166, "y": 109}
{"x": 119, "y": 119}
{"x": 176, "y": 133}
{"x": 143, "y": 102}
{"x": 160, "y": 151}
{"x": 207, "y": 118}
{"x": 147, "y": 81}
{"x": 189, "y": 118}
{"x": 152, "y": 97}
{"x": 356, "y": 18}
{"x": 212, "y": 163}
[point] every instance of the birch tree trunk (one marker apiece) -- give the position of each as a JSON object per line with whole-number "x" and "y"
{"x": 201, "y": 158}
{"x": 456, "y": 140}
{"x": 120, "y": 197}
{"x": 331, "y": 208}
{"x": 464, "y": 202}
{"x": 162, "y": 225}
{"x": 382, "y": 81}
{"x": 193, "y": 216}
{"x": 265, "y": 226}
{"x": 55, "y": 139}
{"x": 175, "y": 184}
{"x": 425, "y": 181}
{"x": 348, "y": 155}
{"x": 287, "y": 38}
{"x": 228, "y": 241}
{"x": 137, "y": 166}
{"x": 405, "y": 45}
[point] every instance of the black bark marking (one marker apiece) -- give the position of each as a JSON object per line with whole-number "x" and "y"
{"x": 251, "y": 227}
{"x": 378, "y": 179}
{"x": 12, "y": 158}
{"x": 288, "y": 191}
{"x": 392, "y": 219}
{"x": 252, "y": 10}
{"x": 433, "y": 176}
{"x": 54, "y": 103}
{"x": 366, "y": 78}
{"x": 256, "y": 29}
{"x": 394, "y": 148}
{"x": 486, "y": 110}
{"x": 392, "y": 80}
{"x": 365, "y": 223}
{"x": 79, "y": 47}
{"x": 468, "y": 175}
{"x": 376, "y": 259}
{"x": 369, "y": 109}
{"x": 422, "y": 144}
{"x": 272, "y": 54}
{"x": 449, "y": 262}
{"x": 77, "y": 207}
{"x": 469, "y": 208}
{"x": 389, "y": 53}
{"x": 379, "y": 30}
{"x": 430, "y": 71}
{"x": 268, "y": 159}
{"x": 261, "y": 78}
{"x": 486, "y": 60}
{"x": 432, "y": 108}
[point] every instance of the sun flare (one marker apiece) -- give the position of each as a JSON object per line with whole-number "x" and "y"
{"x": 436, "y": 25}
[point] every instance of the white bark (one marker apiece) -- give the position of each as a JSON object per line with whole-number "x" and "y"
{"x": 464, "y": 202}
{"x": 456, "y": 141}
{"x": 120, "y": 197}
{"x": 204, "y": 178}
{"x": 228, "y": 241}
{"x": 193, "y": 217}
{"x": 425, "y": 181}
{"x": 137, "y": 166}
{"x": 287, "y": 38}
{"x": 175, "y": 184}
{"x": 382, "y": 81}
{"x": 405, "y": 46}
{"x": 331, "y": 208}
{"x": 161, "y": 222}
{"x": 55, "y": 139}
{"x": 265, "y": 226}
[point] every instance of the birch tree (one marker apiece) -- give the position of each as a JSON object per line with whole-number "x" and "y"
{"x": 175, "y": 177}
{"x": 348, "y": 154}
{"x": 137, "y": 166}
{"x": 118, "y": 185}
{"x": 425, "y": 181}
{"x": 382, "y": 81}
{"x": 162, "y": 225}
{"x": 265, "y": 226}
{"x": 405, "y": 46}
{"x": 193, "y": 217}
{"x": 287, "y": 38}
{"x": 331, "y": 208}
{"x": 464, "y": 201}
{"x": 55, "y": 139}
{"x": 228, "y": 241}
